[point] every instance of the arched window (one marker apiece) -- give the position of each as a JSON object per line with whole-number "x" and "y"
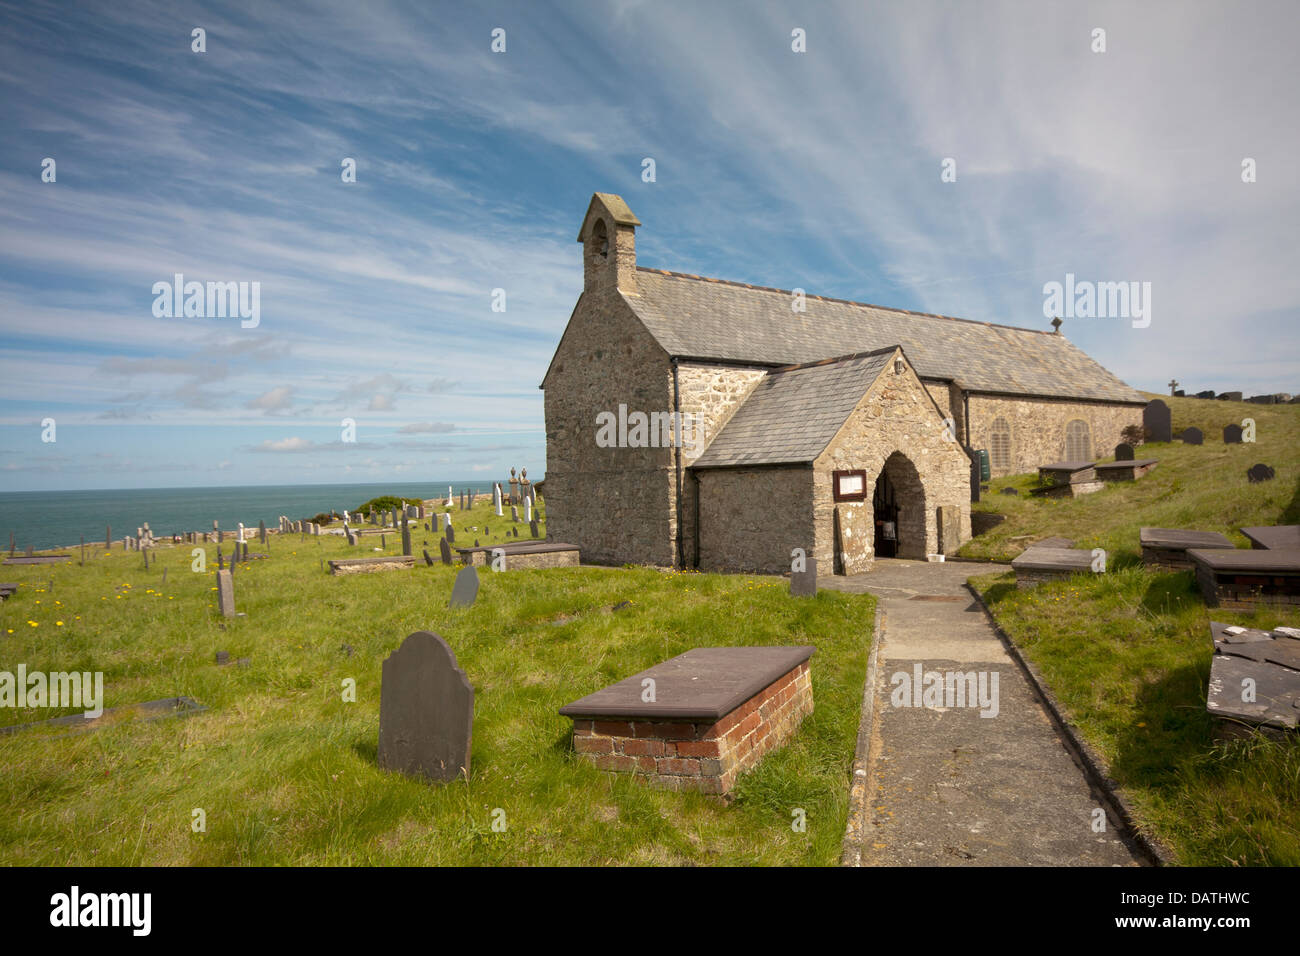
{"x": 1000, "y": 445}
{"x": 599, "y": 241}
{"x": 1078, "y": 441}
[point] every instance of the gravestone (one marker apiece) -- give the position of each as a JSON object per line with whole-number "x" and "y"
{"x": 514, "y": 513}
{"x": 804, "y": 583}
{"x": 451, "y": 534}
{"x": 383, "y": 542}
{"x": 220, "y": 560}
{"x": 528, "y": 508}
{"x": 406, "y": 536}
{"x": 1232, "y": 435}
{"x": 1123, "y": 451}
{"x": 108, "y": 537}
{"x": 515, "y": 532}
{"x": 225, "y": 594}
{"x": 465, "y": 591}
{"x": 1157, "y": 421}
{"x": 1010, "y": 491}
{"x": 1193, "y": 436}
{"x": 428, "y": 561}
{"x": 532, "y": 527}
{"x": 445, "y": 549}
{"x": 1230, "y": 396}
{"x": 261, "y": 531}
{"x": 1209, "y": 394}
{"x": 83, "y": 550}
{"x": 426, "y": 711}
{"x": 1258, "y": 473}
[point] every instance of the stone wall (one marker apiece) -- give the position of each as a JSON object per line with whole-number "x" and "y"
{"x": 711, "y": 393}
{"x": 1038, "y": 427}
{"x": 752, "y": 518}
{"x": 896, "y": 416}
{"x": 615, "y": 504}
{"x": 703, "y": 757}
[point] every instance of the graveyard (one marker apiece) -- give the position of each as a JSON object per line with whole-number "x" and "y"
{"x": 1128, "y": 652}
{"x": 286, "y": 770}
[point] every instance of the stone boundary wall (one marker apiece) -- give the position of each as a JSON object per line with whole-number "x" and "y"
{"x": 707, "y": 758}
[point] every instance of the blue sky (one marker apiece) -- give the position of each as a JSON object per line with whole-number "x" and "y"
{"x": 818, "y": 170}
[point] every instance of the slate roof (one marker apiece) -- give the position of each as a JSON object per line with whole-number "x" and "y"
{"x": 792, "y": 414}
{"x": 696, "y": 317}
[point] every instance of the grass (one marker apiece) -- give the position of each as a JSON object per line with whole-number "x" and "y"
{"x": 1128, "y": 653}
{"x": 285, "y": 771}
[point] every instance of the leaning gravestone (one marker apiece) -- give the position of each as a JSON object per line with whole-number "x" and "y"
{"x": 225, "y": 594}
{"x": 427, "y": 560}
{"x": 426, "y": 710}
{"x": 804, "y": 583}
{"x": 465, "y": 591}
{"x": 445, "y": 548}
{"x": 532, "y": 527}
{"x": 1193, "y": 436}
{"x": 451, "y": 535}
{"x": 1232, "y": 435}
{"x": 1258, "y": 473}
{"x": 1123, "y": 451}
{"x": 1157, "y": 421}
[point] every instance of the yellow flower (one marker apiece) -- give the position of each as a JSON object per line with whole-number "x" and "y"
{"x": 58, "y": 623}
{"x": 33, "y": 624}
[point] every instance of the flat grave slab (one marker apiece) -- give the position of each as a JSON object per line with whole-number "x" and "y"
{"x": 521, "y": 555}
{"x": 146, "y": 711}
{"x": 713, "y": 713}
{"x": 1254, "y": 679}
{"x": 39, "y": 559}
{"x": 1037, "y": 564}
{"x": 1126, "y": 470}
{"x": 1167, "y": 547}
{"x": 1245, "y": 579}
{"x": 1068, "y": 479}
{"x": 388, "y": 562}
{"x": 1279, "y": 537}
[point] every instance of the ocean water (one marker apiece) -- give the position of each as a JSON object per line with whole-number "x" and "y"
{"x": 59, "y": 519}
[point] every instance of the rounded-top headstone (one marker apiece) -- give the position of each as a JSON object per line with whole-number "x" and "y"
{"x": 1123, "y": 451}
{"x": 1193, "y": 436}
{"x": 1232, "y": 435}
{"x": 1157, "y": 421}
{"x": 1260, "y": 472}
{"x": 426, "y": 710}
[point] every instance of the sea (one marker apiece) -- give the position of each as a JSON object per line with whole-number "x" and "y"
{"x": 59, "y": 519}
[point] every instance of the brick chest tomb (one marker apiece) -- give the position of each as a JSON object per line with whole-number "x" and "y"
{"x": 715, "y": 713}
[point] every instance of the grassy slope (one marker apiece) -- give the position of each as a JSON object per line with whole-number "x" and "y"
{"x": 1128, "y": 653}
{"x": 286, "y": 772}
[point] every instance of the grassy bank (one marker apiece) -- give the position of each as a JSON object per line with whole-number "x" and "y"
{"x": 285, "y": 771}
{"x": 1128, "y": 653}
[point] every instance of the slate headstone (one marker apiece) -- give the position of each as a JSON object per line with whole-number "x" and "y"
{"x": 451, "y": 534}
{"x": 465, "y": 591}
{"x": 1010, "y": 491}
{"x": 261, "y": 531}
{"x": 108, "y": 538}
{"x": 804, "y": 583}
{"x": 1232, "y": 435}
{"x": 1123, "y": 451}
{"x": 406, "y": 537}
{"x": 225, "y": 594}
{"x": 532, "y": 527}
{"x": 1258, "y": 473}
{"x": 445, "y": 548}
{"x": 426, "y": 711}
{"x": 427, "y": 560}
{"x": 221, "y": 563}
{"x": 514, "y": 513}
{"x": 1157, "y": 421}
{"x": 1193, "y": 436}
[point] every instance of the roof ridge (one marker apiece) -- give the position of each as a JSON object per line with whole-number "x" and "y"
{"x": 834, "y": 361}
{"x": 825, "y": 298}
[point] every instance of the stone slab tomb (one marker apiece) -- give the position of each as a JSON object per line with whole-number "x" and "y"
{"x": 1036, "y": 565}
{"x": 1126, "y": 470}
{"x": 1167, "y": 548}
{"x": 716, "y": 712}
{"x": 1278, "y": 537}
{"x": 524, "y": 554}
{"x": 387, "y": 562}
{"x": 1246, "y": 579}
{"x": 426, "y": 711}
{"x": 1068, "y": 479}
{"x": 1254, "y": 679}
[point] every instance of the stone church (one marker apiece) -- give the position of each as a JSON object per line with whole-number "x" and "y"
{"x": 695, "y": 422}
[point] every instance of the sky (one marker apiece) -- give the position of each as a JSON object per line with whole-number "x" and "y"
{"x": 819, "y": 168}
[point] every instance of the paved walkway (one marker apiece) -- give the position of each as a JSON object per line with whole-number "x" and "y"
{"x": 947, "y": 786}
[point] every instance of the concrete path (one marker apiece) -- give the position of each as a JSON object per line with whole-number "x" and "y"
{"x": 945, "y": 785}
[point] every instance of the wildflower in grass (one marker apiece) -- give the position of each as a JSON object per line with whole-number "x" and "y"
{"x": 33, "y": 624}
{"x": 58, "y": 623}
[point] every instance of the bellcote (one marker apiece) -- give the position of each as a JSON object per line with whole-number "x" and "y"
{"x": 608, "y": 238}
